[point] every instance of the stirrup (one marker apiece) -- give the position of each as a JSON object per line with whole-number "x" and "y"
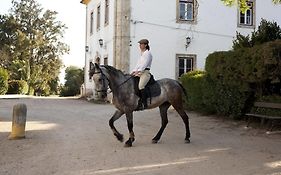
{"x": 140, "y": 106}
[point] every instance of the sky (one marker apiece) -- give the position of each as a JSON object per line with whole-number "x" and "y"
{"x": 72, "y": 14}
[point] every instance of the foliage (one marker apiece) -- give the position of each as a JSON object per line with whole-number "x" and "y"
{"x": 3, "y": 81}
{"x": 224, "y": 99}
{"x": 17, "y": 87}
{"x": 247, "y": 67}
{"x": 267, "y": 31}
{"x": 30, "y": 37}
{"x": 243, "y": 3}
{"x": 74, "y": 79}
{"x": 193, "y": 82}
{"x": 233, "y": 79}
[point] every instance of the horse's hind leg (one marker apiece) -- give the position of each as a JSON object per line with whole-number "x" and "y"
{"x": 131, "y": 139}
{"x": 180, "y": 110}
{"x": 163, "y": 112}
{"x": 115, "y": 117}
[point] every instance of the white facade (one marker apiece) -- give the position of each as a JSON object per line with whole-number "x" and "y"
{"x": 213, "y": 28}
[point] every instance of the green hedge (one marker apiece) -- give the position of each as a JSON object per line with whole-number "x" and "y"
{"x": 17, "y": 87}
{"x": 193, "y": 83}
{"x": 212, "y": 97}
{"x": 4, "y": 76}
{"x": 233, "y": 79}
{"x": 247, "y": 68}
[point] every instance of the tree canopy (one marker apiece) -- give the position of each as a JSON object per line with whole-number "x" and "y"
{"x": 74, "y": 77}
{"x": 30, "y": 44}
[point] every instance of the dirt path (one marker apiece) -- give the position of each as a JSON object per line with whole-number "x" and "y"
{"x": 72, "y": 137}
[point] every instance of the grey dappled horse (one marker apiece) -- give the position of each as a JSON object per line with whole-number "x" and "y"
{"x": 126, "y": 101}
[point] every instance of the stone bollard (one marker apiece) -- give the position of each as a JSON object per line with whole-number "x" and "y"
{"x": 19, "y": 120}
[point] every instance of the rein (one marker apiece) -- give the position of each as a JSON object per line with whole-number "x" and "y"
{"x": 122, "y": 83}
{"x": 103, "y": 75}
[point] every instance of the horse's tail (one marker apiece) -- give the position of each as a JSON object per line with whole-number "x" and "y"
{"x": 183, "y": 89}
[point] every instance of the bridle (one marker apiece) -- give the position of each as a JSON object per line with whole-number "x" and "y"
{"x": 103, "y": 77}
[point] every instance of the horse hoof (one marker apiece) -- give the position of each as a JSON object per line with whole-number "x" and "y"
{"x": 187, "y": 141}
{"x": 128, "y": 144}
{"x": 119, "y": 137}
{"x": 154, "y": 141}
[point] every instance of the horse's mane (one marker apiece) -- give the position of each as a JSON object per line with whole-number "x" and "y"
{"x": 114, "y": 70}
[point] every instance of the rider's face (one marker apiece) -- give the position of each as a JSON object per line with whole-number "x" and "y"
{"x": 142, "y": 47}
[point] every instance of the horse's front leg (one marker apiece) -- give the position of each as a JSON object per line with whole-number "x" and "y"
{"x": 130, "y": 124}
{"x": 115, "y": 117}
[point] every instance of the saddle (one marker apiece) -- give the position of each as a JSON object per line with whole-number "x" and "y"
{"x": 152, "y": 88}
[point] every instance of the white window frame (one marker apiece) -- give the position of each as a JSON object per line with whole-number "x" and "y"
{"x": 98, "y": 17}
{"x": 248, "y": 17}
{"x": 91, "y": 22}
{"x": 186, "y": 58}
{"x": 186, "y": 11}
{"x": 106, "y": 12}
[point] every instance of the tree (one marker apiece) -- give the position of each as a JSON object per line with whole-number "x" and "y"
{"x": 267, "y": 31}
{"x": 31, "y": 37}
{"x": 243, "y": 3}
{"x": 74, "y": 77}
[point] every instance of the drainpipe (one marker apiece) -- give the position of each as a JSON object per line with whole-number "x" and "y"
{"x": 115, "y": 34}
{"x": 85, "y": 69}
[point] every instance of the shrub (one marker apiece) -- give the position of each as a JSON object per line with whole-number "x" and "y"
{"x": 267, "y": 31}
{"x": 4, "y": 76}
{"x": 193, "y": 82}
{"x": 17, "y": 87}
{"x": 247, "y": 68}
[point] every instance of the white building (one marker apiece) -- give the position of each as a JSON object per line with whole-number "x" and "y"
{"x": 181, "y": 32}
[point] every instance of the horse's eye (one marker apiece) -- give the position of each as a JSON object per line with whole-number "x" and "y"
{"x": 100, "y": 80}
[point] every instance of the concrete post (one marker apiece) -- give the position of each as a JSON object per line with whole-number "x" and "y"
{"x": 19, "y": 120}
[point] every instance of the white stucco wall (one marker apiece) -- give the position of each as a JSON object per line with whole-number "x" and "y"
{"x": 214, "y": 30}
{"x": 106, "y": 33}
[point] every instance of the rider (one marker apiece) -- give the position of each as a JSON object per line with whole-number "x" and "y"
{"x": 142, "y": 69}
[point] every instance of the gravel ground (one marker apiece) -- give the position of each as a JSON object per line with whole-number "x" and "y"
{"x": 72, "y": 137}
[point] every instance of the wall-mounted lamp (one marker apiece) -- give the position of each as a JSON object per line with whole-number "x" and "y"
{"x": 87, "y": 48}
{"x": 188, "y": 41}
{"x": 101, "y": 42}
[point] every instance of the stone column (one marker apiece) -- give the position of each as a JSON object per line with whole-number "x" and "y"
{"x": 19, "y": 120}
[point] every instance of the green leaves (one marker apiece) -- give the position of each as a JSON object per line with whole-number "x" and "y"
{"x": 242, "y": 4}
{"x": 31, "y": 40}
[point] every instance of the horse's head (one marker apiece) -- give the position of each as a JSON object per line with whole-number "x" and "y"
{"x": 100, "y": 80}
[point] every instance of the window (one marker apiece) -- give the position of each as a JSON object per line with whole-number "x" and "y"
{"x": 105, "y": 60}
{"x": 185, "y": 10}
{"x": 91, "y": 23}
{"x": 106, "y": 12}
{"x": 98, "y": 17}
{"x": 247, "y": 18}
{"x": 185, "y": 63}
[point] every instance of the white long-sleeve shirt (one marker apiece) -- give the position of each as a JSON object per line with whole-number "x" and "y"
{"x": 144, "y": 61}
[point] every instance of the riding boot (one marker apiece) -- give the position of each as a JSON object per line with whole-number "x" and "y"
{"x": 143, "y": 98}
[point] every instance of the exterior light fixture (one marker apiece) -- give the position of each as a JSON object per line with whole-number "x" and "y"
{"x": 188, "y": 41}
{"x": 87, "y": 48}
{"x": 101, "y": 42}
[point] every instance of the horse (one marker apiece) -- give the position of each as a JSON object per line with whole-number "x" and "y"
{"x": 125, "y": 99}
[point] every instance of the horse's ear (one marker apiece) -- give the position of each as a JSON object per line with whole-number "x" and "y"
{"x": 91, "y": 65}
{"x": 97, "y": 66}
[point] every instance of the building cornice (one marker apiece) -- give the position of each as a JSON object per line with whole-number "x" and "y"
{"x": 86, "y": 2}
